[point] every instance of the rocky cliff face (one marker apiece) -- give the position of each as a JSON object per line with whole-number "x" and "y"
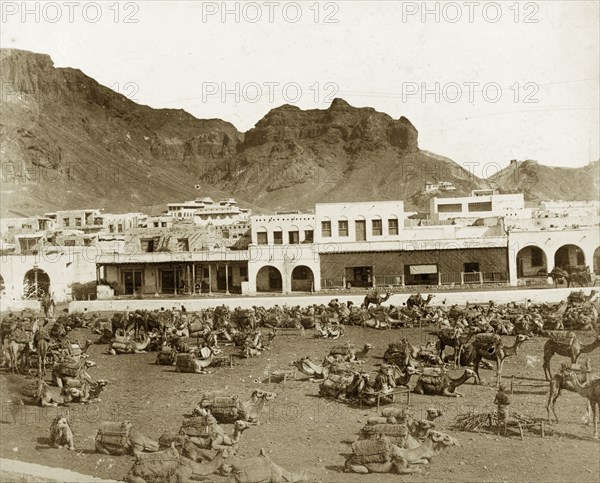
{"x": 66, "y": 141}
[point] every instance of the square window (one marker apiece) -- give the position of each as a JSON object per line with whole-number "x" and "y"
{"x": 294, "y": 237}
{"x": 261, "y": 238}
{"x": 326, "y": 229}
{"x": 308, "y": 236}
{"x": 393, "y": 226}
{"x": 343, "y": 228}
{"x": 278, "y": 237}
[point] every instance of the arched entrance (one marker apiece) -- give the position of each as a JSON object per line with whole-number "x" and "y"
{"x": 596, "y": 261}
{"x": 531, "y": 262}
{"x": 570, "y": 258}
{"x": 302, "y": 279}
{"x": 36, "y": 284}
{"x": 268, "y": 279}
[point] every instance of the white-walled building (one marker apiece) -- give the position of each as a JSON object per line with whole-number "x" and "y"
{"x": 359, "y": 221}
{"x": 282, "y": 256}
{"x": 481, "y": 204}
{"x": 55, "y": 270}
{"x": 204, "y": 211}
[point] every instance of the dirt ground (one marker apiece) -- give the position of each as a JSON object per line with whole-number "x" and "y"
{"x": 302, "y": 431}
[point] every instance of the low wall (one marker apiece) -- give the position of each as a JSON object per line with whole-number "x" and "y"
{"x": 450, "y": 298}
{"x": 18, "y": 305}
{"x": 19, "y": 471}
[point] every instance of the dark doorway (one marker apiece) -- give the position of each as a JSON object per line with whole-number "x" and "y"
{"x": 223, "y": 284}
{"x": 132, "y": 280}
{"x": 471, "y": 267}
{"x": 167, "y": 281}
{"x": 359, "y": 276}
{"x": 302, "y": 279}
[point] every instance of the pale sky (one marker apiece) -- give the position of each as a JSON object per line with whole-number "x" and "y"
{"x": 378, "y": 54}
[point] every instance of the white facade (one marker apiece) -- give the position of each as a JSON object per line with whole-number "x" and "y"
{"x": 442, "y": 186}
{"x": 204, "y": 211}
{"x": 283, "y": 256}
{"x": 567, "y": 246}
{"x": 283, "y": 229}
{"x": 57, "y": 270}
{"x": 359, "y": 221}
{"x": 481, "y": 204}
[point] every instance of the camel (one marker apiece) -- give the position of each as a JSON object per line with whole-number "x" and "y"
{"x": 219, "y": 441}
{"x": 373, "y": 297}
{"x": 455, "y": 338}
{"x": 42, "y": 352}
{"x": 415, "y": 300}
{"x": 52, "y": 397}
{"x": 328, "y": 331}
{"x": 17, "y": 351}
{"x": 442, "y": 384}
{"x": 401, "y": 377}
{"x": 401, "y": 353}
{"x": 228, "y": 409}
{"x": 591, "y": 391}
{"x": 349, "y": 352}
{"x": 337, "y": 386}
{"x": 260, "y": 468}
{"x": 567, "y": 346}
{"x": 190, "y": 363}
{"x": 119, "y": 438}
{"x": 490, "y": 347}
{"x": 561, "y": 381}
{"x": 64, "y": 370}
{"x": 400, "y": 460}
{"x": 309, "y": 368}
{"x": 580, "y": 297}
{"x": 61, "y": 434}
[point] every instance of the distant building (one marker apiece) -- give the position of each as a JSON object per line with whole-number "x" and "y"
{"x": 204, "y": 211}
{"x": 441, "y": 186}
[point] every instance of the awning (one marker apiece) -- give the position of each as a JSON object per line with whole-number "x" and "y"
{"x": 422, "y": 269}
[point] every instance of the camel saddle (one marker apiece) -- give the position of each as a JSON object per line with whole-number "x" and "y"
{"x": 371, "y": 451}
{"x": 195, "y": 426}
{"x": 113, "y": 437}
{"x": 561, "y": 337}
{"x": 21, "y": 336}
{"x": 394, "y": 433}
{"x": 157, "y": 467}
{"x": 487, "y": 339}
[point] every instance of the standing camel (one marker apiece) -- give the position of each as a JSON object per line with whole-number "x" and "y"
{"x": 561, "y": 381}
{"x": 491, "y": 347}
{"x": 16, "y": 352}
{"x": 373, "y": 297}
{"x": 42, "y": 352}
{"x": 591, "y": 391}
{"x": 567, "y": 347}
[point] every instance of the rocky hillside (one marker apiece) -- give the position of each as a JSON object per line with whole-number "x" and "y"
{"x": 68, "y": 142}
{"x": 540, "y": 182}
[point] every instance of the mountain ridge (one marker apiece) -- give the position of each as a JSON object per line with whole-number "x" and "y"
{"x": 68, "y": 141}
